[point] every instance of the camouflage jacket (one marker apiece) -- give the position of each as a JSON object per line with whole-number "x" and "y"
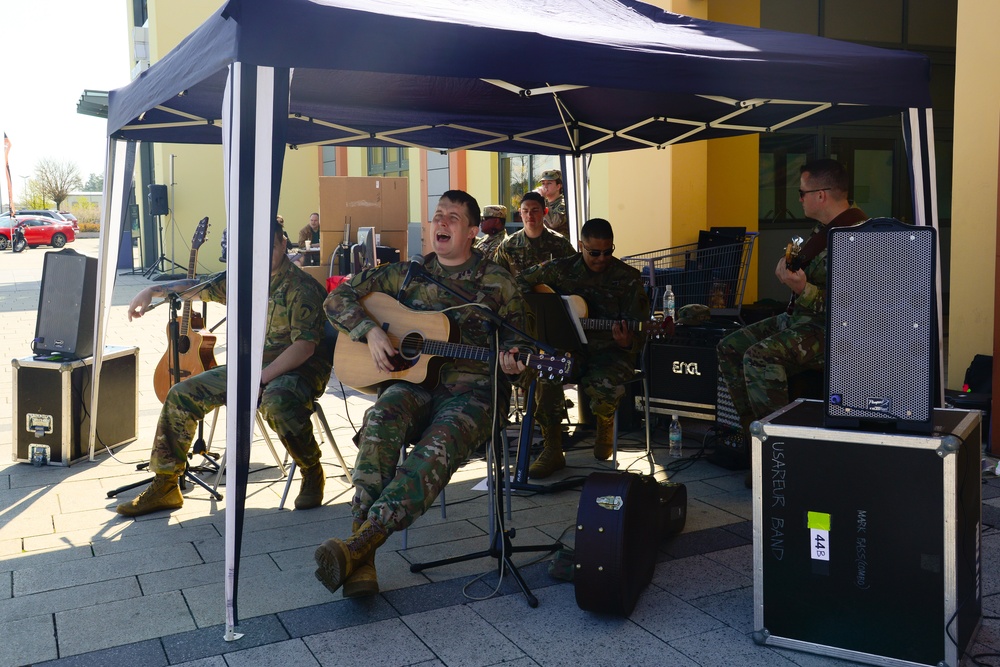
{"x": 518, "y": 252}
{"x": 615, "y": 294}
{"x": 488, "y": 244}
{"x": 484, "y": 281}
{"x": 555, "y": 216}
{"x": 294, "y": 312}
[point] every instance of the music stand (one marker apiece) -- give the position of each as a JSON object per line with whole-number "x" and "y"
{"x": 556, "y": 325}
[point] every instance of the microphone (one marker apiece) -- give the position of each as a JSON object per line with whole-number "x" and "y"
{"x": 416, "y": 266}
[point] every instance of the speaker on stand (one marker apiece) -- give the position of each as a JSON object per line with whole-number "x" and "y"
{"x": 881, "y": 343}
{"x": 158, "y": 206}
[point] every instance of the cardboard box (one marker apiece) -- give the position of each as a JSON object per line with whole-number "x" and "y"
{"x": 320, "y": 273}
{"x": 362, "y": 201}
{"x": 867, "y": 544}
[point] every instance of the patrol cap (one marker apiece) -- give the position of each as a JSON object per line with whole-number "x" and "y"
{"x": 495, "y": 211}
{"x": 550, "y": 175}
{"x": 694, "y": 313}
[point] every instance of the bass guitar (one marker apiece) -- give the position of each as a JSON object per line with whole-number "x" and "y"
{"x": 195, "y": 350}
{"x": 578, "y": 308}
{"x": 423, "y": 339}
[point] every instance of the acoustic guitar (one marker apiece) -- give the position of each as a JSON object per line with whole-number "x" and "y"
{"x": 578, "y": 308}
{"x": 425, "y": 341}
{"x": 195, "y": 350}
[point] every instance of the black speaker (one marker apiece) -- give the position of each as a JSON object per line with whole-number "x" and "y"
{"x": 684, "y": 371}
{"x": 881, "y": 325}
{"x": 65, "y": 322}
{"x": 157, "y": 199}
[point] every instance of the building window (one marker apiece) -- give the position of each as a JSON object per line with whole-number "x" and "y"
{"x": 329, "y": 160}
{"x": 388, "y": 162}
{"x": 519, "y": 173}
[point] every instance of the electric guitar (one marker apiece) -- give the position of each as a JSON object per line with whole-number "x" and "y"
{"x": 792, "y": 251}
{"x": 423, "y": 340}
{"x": 578, "y": 308}
{"x": 195, "y": 350}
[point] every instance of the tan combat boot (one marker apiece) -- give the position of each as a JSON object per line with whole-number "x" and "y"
{"x": 162, "y": 494}
{"x": 605, "y": 440}
{"x": 311, "y": 490}
{"x": 339, "y": 559}
{"x": 552, "y": 458}
{"x": 364, "y": 581}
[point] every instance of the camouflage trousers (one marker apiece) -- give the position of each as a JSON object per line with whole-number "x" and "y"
{"x": 287, "y": 406}
{"x": 601, "y": 376}
{"x": 444, "y": 428}
{"x": 758, "y": 359}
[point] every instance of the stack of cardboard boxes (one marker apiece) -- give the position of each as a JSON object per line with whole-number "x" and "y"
{"x": 360, "y": 201}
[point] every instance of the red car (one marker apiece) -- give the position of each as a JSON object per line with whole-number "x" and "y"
{"x": 38, "y": 231}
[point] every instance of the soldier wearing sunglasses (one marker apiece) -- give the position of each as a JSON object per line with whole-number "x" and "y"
{"x": 613, "y": 291}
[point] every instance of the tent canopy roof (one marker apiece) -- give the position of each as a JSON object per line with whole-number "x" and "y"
{"x": 536, "y": 76}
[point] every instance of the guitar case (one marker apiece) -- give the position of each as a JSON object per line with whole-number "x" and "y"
{"x": 619, "y": 524}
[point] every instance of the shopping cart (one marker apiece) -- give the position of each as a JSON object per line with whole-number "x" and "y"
{"x": 712, "y": 271}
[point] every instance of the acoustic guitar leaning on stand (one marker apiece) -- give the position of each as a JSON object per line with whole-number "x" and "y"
{"x": 195, "y": 350}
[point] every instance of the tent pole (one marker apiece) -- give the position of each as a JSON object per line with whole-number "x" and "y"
{"x": 118, "y": 174}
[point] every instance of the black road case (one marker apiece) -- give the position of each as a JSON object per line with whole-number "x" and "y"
{"x": 866, "y": 544}
{"x": 52, "y": 404}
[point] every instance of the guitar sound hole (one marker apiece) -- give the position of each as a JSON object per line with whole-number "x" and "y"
{"x": 183, "y": 344}
{"x": 411, "y": 346}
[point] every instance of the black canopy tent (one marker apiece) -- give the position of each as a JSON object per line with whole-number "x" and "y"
{"x": 605, "y": 75}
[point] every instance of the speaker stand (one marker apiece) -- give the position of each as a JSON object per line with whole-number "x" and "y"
{"x": 160, "y": 264}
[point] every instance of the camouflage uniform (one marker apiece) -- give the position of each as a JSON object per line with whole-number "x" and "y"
{"x": 603, "y": 367}
{"x": 489, "y": 243}
{"x": 758, "y": 359}
{"x": 555, "y": 216}
{"x": 444, "y": 423}
{"x": 519, "y": 252}
{"x": 295, "y": 312}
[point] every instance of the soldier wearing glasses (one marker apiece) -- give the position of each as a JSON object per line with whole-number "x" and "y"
{"x": 613, "y": 291}
{"x": 757, "y": 360}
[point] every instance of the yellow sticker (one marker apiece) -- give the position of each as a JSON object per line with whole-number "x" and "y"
{"x": 817, "y": 521}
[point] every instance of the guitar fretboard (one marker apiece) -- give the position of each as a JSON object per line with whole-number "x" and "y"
{"x": 593, "y": 324}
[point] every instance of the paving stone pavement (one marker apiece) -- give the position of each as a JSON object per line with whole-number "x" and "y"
{"x": 81, "y": 585}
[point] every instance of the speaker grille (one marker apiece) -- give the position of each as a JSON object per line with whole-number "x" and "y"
{"x": 881, "y": 336}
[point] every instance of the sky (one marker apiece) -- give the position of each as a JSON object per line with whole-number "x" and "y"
{"x": 53, "y": 51}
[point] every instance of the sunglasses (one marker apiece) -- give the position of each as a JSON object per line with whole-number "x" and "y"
{"x": 599, "y": 253}
{"x": 803, "y": 193}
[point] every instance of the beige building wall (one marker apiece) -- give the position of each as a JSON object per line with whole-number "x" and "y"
{"x": 974, "y": 187}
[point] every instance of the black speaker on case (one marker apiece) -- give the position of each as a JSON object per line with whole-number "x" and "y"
{"x": 881, "y": 326}
{"x": 157, "y": 199}
{"x": 65, "y": 322}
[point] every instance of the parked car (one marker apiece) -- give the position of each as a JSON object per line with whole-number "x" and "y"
{"x": 43, "y": 213}
{"x": 38, "y": 231}
{"x": 72, "y": 218}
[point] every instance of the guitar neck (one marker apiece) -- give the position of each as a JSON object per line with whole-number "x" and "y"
{"x": 461, "y": 351}
{"x": 592, "y": 324}
{"x": 186, "y": 311}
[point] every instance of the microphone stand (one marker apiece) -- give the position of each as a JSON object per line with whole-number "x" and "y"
{"x": 501, "y": 547}
{"x": 174, "y": 299}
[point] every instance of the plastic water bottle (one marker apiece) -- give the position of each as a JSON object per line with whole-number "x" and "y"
{"x": 676, "y": 438}
{"x": 668, "y": 302}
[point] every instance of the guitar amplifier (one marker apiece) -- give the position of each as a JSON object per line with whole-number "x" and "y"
{"x": 684, "y": 371}
{"x": 52, "y": 405}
